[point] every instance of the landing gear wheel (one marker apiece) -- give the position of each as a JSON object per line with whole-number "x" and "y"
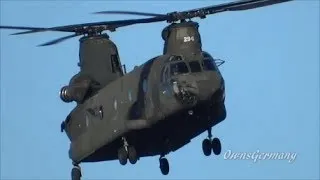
{"x": 132, "y": 155}
{"x": 164, "y": 166}
{"x": 76, "y": 173}
{"x": 123, "y": 156}
{"x": 206, "y": 147}
{"x": 216, "y": 146}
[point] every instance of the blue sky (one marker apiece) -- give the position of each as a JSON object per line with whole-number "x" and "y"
{"x": 272, "y": 85}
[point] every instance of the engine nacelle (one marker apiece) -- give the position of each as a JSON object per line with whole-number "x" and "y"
{"x": 66, "y": 95}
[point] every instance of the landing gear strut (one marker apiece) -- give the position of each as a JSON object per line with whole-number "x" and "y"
{"x": 76, "y": 172}
{"x": 210, "y": 144}
{"x": 127, "y": 152}
{"x": 164, "y": 165}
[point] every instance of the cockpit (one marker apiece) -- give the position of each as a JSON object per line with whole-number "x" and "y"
{"x": 177, "y": 66}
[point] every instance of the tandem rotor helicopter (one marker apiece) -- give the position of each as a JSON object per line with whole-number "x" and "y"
{"x": 155, "y": 109}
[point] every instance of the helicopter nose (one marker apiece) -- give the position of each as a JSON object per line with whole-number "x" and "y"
{"x": 194, "y": 87}
{"x": 186, "y": 92}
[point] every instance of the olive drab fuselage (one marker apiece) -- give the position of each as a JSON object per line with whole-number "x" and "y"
{"x": 140, "y": 99}
{"x": 144, "y": 105}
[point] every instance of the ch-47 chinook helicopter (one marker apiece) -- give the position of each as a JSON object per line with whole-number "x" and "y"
{"x": 156, "y": 108}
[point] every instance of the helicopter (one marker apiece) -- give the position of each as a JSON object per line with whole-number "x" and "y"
{"x": 155, "y": 109}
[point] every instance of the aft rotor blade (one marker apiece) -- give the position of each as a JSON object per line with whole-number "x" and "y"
{"x": 58, "y": 40}
{"x": 105, "y": 25}
{"x": 21, "y": 28}
{"x": 129, "y": 13}
{"x": 96, "y": 26}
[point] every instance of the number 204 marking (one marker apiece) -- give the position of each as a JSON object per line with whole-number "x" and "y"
{"x": 188, "y": 38}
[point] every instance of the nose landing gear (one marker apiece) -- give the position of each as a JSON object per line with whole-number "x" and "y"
{"x": 164, "y": 165}
{"x": 76, "y": 172}
{"x": 216, "y": 146}
{"x": 210, "y": 144}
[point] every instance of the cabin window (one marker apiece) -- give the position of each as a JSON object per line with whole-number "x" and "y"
{"x": 195, "y": 66}
{"x": 178, "y": 68}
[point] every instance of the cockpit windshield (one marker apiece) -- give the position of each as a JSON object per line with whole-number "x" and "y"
{"x": 178, "y": 68}
{"x": 195, "y": 66}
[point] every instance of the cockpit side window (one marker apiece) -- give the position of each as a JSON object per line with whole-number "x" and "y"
{"x": 195, "y": 66}
{"x": 178, "y": 68}
{"x": 209, "y": 65}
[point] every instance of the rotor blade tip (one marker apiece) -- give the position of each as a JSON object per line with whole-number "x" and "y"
{"x": 99, "y": 12}
{"x": 42, "y": 45}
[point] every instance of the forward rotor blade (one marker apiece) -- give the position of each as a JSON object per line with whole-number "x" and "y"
{"x": 232, "y": 6}
{"x": 58, "y": 40}
{"x": 129, "y": 13}
{"x": 240, "y": 5}
{"x": 256, "y": 4}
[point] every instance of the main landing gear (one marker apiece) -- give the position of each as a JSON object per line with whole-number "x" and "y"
{"x": 76, "y": 172}
{"x": 210, "y": 144}
{"x": 127, "y": 152}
